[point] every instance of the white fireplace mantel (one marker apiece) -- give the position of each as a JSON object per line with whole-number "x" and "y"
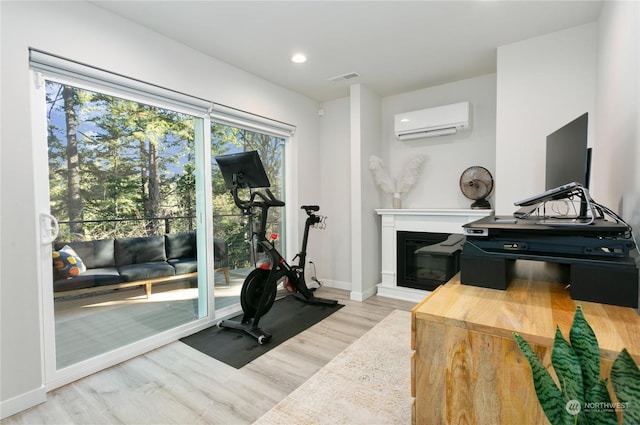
{"x": 415, "y": 220}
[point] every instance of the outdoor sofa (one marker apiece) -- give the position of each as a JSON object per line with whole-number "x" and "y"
{"x": 99, "y": 265}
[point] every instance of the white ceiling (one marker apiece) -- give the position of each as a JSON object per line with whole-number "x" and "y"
{"x": 395, "y": 46}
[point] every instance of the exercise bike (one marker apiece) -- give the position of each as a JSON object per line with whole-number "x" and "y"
{"x": 259, "y": 289}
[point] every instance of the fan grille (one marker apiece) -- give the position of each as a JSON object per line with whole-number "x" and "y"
{"x": 476, "y": 183}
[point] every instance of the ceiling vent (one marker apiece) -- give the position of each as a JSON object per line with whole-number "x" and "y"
{"x": 343, "y": 77}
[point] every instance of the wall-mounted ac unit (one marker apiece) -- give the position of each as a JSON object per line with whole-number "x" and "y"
{"x": 432, "y": 122}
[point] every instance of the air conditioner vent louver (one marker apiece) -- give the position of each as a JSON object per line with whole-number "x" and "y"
{"x": 432, "y": 122}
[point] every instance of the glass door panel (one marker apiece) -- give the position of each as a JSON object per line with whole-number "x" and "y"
{"x": 122, "y": 185}
{"x": 229, "y": 225}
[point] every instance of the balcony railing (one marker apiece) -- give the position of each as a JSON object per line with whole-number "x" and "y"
{"x": 234, "y": 230}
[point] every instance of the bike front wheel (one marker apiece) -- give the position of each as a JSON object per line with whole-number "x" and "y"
{"x": 253, "y": 288}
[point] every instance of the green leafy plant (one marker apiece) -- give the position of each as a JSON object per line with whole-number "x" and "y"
{"x": 583, "y": 398}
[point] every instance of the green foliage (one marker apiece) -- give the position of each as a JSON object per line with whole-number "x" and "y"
{"x": 583, "y": 398}
{"x": 567, "y": 366}
{"x": 228, "y": 224}
{"x": 135, "y": 170}
{"x": 584, "y": 342}
{"x": 625, "y": 378}
{"x": 549, "y": 395}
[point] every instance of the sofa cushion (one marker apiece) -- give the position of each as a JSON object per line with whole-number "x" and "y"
{"x": 184, "y": 265}
{"x": 180, "y": 245}
{"x": 89, "y": 279}
{"x": 139, "y": 250}
{"x": 94, "y": 254}
{"x": 140, "y": 271}
{"x": 67, "y": 262}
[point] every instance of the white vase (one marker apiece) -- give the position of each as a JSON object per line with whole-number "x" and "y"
{"x": 397, "y": 201}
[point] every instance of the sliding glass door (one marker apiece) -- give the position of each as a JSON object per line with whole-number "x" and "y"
{"x": 122, "y": 187}
{"x": 141, "y": 243}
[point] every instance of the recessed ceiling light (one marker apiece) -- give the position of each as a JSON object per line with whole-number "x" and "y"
{"x": 298, "y": 58}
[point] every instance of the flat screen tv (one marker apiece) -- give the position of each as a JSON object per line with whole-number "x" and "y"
{"x": 568, "y": 158}
{"x": 245, "y": 169}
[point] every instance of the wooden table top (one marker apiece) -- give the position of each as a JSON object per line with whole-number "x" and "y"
{"x": 533, "y": 304}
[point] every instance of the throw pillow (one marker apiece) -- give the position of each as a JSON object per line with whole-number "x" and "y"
{"x": 67, "y": 263}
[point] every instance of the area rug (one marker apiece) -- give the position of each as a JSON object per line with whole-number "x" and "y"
{"x": 368, "y": 383}
{"x": 287, "y": 318}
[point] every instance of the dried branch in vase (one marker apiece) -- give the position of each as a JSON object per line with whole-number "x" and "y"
{"x": 392, "y": 186}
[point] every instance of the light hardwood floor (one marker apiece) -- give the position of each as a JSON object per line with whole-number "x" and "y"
{"x": 176, "y": 384}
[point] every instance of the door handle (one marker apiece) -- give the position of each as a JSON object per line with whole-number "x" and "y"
{"x": 49, "y": 228}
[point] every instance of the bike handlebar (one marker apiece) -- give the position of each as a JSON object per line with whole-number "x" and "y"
{"x": 268, "y": 200}
{"x": 272, "y": 201}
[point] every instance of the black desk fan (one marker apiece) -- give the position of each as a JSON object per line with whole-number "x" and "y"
{"x": 476, "y": 183}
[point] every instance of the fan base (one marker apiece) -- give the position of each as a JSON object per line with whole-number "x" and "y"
{"x": 481, "y": 204}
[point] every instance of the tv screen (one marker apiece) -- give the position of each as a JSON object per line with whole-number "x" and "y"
{"x": 245, "y": 169}
{"x": 568, "y": 158}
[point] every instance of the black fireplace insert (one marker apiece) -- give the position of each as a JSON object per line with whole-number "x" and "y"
{"x": 427, "y": 260}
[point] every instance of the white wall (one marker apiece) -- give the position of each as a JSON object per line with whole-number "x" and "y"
{"x": 334, "y": 267}
{"x": 447, "y": 156}
{"x": 543, "y": 83}
{"x": 353, "y": 263}
{"x": 83, "y": 32}
{"x": 616, "y": 150}
{"x": 350, "y": 251}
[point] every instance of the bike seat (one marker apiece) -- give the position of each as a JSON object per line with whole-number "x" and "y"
{"x": 310, "y": 208}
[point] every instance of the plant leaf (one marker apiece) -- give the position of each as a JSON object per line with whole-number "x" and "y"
{"x": 585, "y": 344}
{"x": 567, "y": 366}
{"x": 625, "y": 378}
{"x": 550, "y": 397}
{"x": 595, "y": 413}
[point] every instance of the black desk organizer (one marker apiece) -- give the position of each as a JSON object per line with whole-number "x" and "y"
{"x": 595, "y": 258}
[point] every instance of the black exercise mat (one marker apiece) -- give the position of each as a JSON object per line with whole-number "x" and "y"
{"x": 287, "y": 318}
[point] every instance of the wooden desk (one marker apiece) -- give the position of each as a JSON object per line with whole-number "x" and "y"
{"x": 467, "y": 367}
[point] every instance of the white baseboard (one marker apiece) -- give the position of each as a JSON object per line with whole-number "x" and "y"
{"x": 355, "y": 296}
{"x": 401, "y": 293}
{"x": 22, "y": 402}
{"x": 336, "y": 284}
{"x": 361, "y": 296}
